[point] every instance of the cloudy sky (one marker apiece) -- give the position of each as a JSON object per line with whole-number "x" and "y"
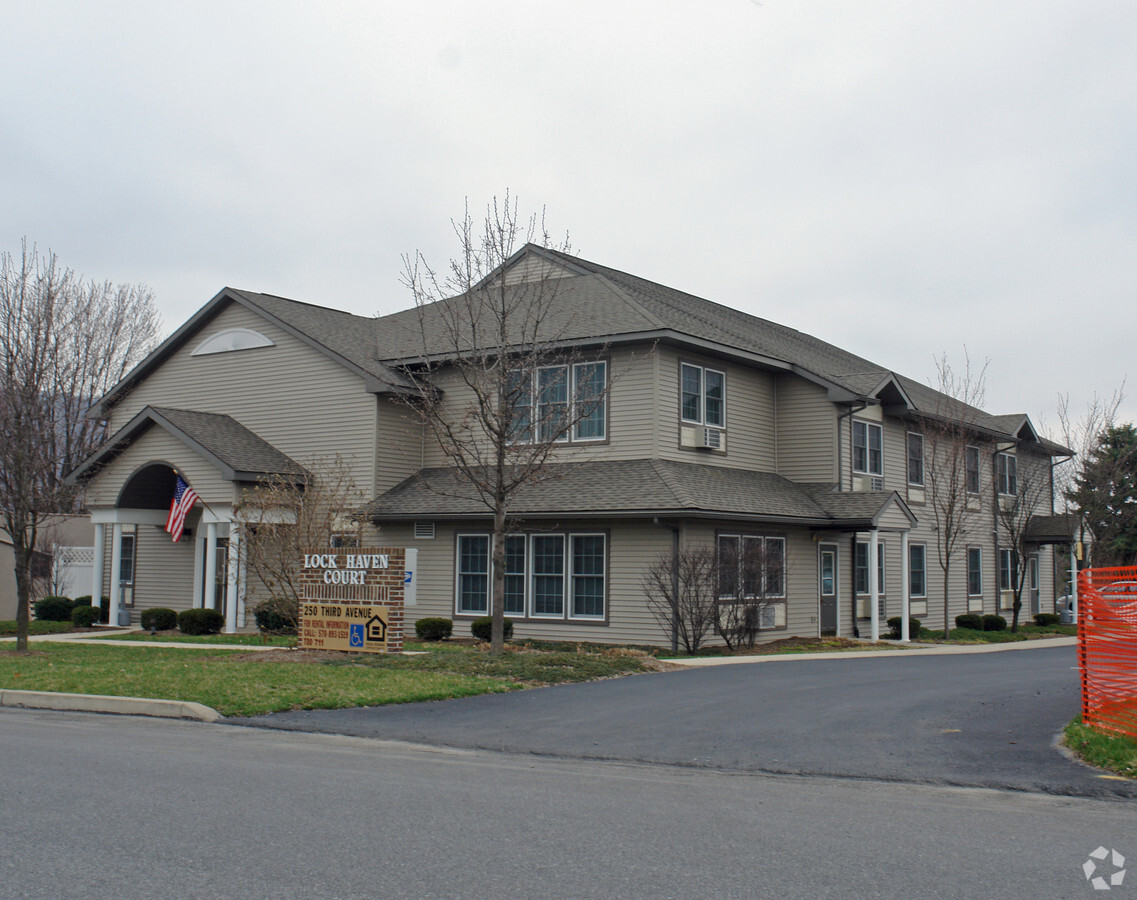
{"x": 903, "y": 179}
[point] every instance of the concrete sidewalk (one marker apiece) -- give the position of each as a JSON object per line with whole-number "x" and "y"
{"x": 97, "y": 637}
{"x": 909, "y": 650}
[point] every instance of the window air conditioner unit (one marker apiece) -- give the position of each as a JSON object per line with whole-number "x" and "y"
{"x": 877, "y": 483}
{"x": 712, "y": 439}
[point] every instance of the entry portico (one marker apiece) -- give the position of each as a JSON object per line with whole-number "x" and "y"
{"x": 130, "y": 484}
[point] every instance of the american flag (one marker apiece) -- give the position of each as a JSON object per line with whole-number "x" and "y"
{"x": 184, "y": 499}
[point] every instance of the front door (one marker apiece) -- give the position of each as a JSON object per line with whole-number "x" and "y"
{"x": 827, "y": 588}
{"x": 1032, "y": 584}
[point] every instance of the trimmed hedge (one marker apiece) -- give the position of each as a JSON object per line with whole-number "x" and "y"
{"x": 54, "y": 609}
{"x": 994, "y": 623}
{"x": 81, "y": 601}
{"x": 84, "y": 616}
{"x": 974, "y": 621}
{"x": 482, "y": 628}
{"x": 1045, "y": 620}
{"x": 913, "y": 627}
{"x": 159, "y": 618}
{"x": 200, "y": 621}
{"x": 433, "y": 628}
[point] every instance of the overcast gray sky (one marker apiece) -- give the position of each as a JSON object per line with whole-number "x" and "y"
{"x": 898, "y": 178}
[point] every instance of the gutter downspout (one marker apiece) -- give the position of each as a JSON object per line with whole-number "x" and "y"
{"x": 674, "y": 581}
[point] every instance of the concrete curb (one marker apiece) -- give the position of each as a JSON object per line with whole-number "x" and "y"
{"x": 915, "y": 650}
{"x": 124, "y": 706}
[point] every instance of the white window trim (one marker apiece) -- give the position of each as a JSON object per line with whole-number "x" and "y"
{"x": 573, "y": 400}
{"x": 967, "y": 560}
{"x": 1010, "y": 568}
{"x": 978, "y": 471}
{"x": 567, "y": 576}
{"x": 764, "y": 538}
{"x": 571, "y": 435}
{"x": 908, "y": 458}
{"x": 702, "y": 420}
{"x": 458, "y": 611}
{"x": 882, "y": 569}
{"x": 868, "y": 448}
{"x": 924, "y": 594}
{"x": 231, "y": 340}
{"x": 1007, "y": 468}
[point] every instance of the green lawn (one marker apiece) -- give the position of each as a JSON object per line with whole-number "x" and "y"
{"x": 236, "y": 683}
{"x": 8, "y": 627}
{"x": 244, "y": 640}
{"x": 1025, "y": 633}
{"x": 1114, "y": 752}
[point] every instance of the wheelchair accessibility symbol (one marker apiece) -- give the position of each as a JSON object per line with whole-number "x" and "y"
{"x": 355, "y": 635}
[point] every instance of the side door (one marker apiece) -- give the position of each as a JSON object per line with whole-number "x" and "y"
{"x": 827, "y": 585}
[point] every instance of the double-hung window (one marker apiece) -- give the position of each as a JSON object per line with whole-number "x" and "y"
{"x": 861, "y": 568}
{"x": 971, "y": 469}
{"x": 543, "y": 402}
{"x": 915, "y": 458}
{"x": 753, "y": 567}
{"x": 974, "y": 572}
{"x": 917, "y": 571}
{"x": 702, "y": 395}
{"x": 868, "y": 448}
{"x": 1006, "y": 570}
{"x": 1007, "y": 473}
{"x": 547, "y": 576}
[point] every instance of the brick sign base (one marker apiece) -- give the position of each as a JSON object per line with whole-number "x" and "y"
{"x": 352, "y": 600}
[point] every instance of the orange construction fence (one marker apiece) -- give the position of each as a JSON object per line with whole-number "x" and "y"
{"x": 1107, "y": 647}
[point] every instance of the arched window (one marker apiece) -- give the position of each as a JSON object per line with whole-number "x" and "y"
{"x": 232, "y": 339}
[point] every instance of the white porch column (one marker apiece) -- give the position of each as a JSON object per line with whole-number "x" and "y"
{"x": 198, "y": 560}
{"x": 233, "y": 598}
{"x": 116, "y": 573}
{"x": 210, "y": 593}
{"x": 97, "y": 565}
{"x": 906, "y": 587}
{"x": 874, "y": 584}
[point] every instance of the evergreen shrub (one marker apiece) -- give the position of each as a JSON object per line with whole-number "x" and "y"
{"x": 200, "y": 621}
{"x": 482, "y": 628}
{"x": 159, "y": 618}
{"x": 54, "y": 609}
{"x": 974, "y": 621}
{"x": 84, "y": 616}
{"x": 913, "y": 627}
{"x": 994, "y": 623}
{"x": 433, "y": 628}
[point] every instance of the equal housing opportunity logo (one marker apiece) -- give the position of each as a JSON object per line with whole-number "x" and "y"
{"x": 1101, "y": 874}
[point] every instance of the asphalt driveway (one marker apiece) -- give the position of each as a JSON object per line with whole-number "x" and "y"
{"x": 984, "y": 719}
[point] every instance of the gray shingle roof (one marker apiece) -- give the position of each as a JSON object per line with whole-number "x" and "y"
{"x": 637, "y": 487}
{"x": 240, "y": 454}
{"x": 604, "y": 304}
{"x": 1059, "y": 529}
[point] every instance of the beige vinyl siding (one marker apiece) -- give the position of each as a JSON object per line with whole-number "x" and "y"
{"x": 291, "y": 395}
{"x": 631, "y": 547}
{"x": 398, "y": 444}
{"x": 806, "y": 431}
{"x": 156, "y": 445}
{"x": 163, "y": 571}
{"x": 750, "y": 411}
{"x": 631, "y": 426}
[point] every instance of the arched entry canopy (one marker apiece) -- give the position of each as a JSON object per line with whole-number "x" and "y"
{"x": 130, "y": 483}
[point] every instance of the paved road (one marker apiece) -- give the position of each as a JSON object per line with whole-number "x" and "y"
{"x": 973, "y": 720}
{"x": 114, "y": 808}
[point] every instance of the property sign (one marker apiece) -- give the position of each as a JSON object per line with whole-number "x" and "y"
{"x": 343, "y": 626}
{"x": 352, "y": 600}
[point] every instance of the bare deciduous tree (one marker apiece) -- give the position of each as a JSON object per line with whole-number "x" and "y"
{"x": 1029, "y": 496}
{"x": 64, "y": 342}
{"x": 681, "y": 591}
{"x": 951, "y": 477}
{"x": 513, "y": 383}
{"x": 750, "y": 579}
{"x": 284, "y": 518}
